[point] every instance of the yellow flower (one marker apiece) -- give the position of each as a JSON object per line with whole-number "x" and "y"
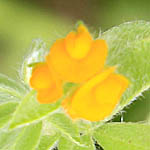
{"x": 47, "y": 85}
{"x": 98, "y": 97}
{"x": 80, "y": 59}
{"x": 77, "y": 57}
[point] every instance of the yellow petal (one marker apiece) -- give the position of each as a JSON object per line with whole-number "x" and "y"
{"x": 51, "y": 95}
{"x": 78, "y": 44}
{"x": 41, "y": 77}
{"x": 73, "y": 70}
{"x": 48, "y": 86}
{"x": 97, "y": 98}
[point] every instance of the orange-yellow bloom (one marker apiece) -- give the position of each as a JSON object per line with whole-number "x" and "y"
{"x": 80, "y": 59}
{"x": 77, "y": 57}
{"x": 49, "y": 88}
{"x": 98, "y": 97}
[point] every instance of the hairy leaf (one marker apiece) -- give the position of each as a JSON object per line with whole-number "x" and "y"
{"x": 48, "y": 141}
{"x": 29, "y": 137}
{"x": 25, "y": 138}
{"x": 66, "y": 126}
{"x": 8, "y": 138}
{"x": 30, "y": 110}
{"x": 66, "y": 144}
{"x": 120, "y": 136}
{"x": 6, "y": 111}
{"x": 11, "y": 94}
{"x": 10, "y": 90}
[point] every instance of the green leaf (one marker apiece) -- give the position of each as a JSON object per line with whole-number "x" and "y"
{"x": 119, "y": 136}
{"x": 25, "y": 138}
{"x": 37, "y": 55}
{"x": 66, "y": 126}
{"x": 11, "y": 93}
{"x": 7, "y": 138}
{"x": 139, "y": 110}
{"x": 6, "y": 111}
{"x": 129, "y": 50}
{"x": 30, "y": 110}
{"x": 10, "y": 90}
{"x": 49, "y": 136}
{"x": 29, "y": 137}
{"x": 84, "y": 126}
{"x": 6, "y": 97}
{"x": 66, "y": 144}
{"x": 47, "y": 141}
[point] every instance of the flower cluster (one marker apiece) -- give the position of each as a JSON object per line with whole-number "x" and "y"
{"x": 79, "y": 59}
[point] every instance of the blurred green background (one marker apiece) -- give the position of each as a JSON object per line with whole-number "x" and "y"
{"x": 22, "y": 21}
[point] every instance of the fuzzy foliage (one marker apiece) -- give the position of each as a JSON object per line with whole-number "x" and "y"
{"x": 26, "y": 124}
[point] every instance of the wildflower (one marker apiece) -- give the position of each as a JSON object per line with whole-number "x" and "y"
{"x": 47, "y": 85}
{"x": 77, "y": 57}
{"x": 80, "y": 59}
{"x": 98, "y": 97}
